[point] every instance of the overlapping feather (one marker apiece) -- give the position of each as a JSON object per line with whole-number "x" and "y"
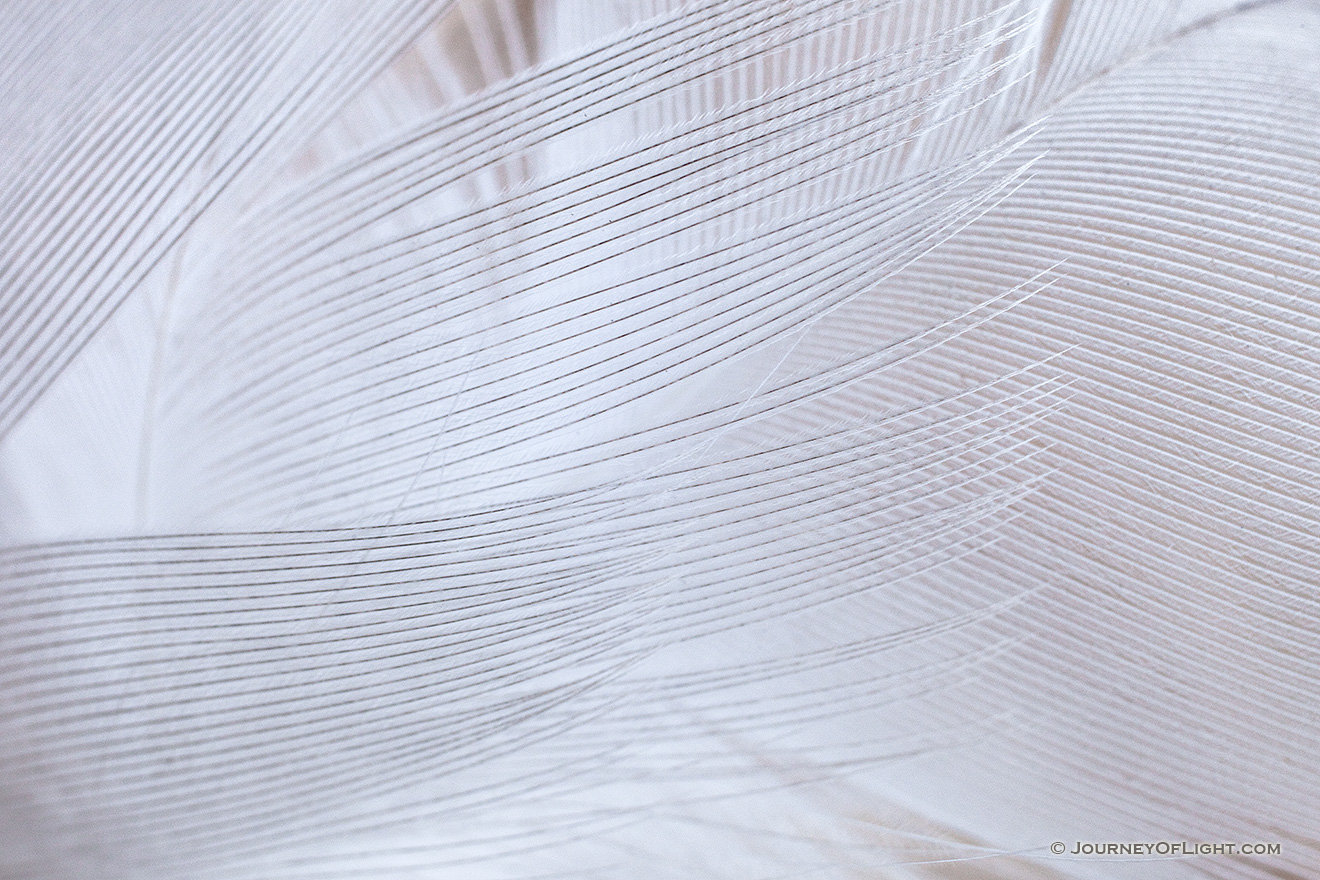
{"x": 748, "y": 439}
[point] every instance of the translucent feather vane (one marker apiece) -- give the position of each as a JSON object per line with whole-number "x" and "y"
{"x": 658, "y": 439}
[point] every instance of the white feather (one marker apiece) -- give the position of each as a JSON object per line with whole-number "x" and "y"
{"x": 530, "y": 438}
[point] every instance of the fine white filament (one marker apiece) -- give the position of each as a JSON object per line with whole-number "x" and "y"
{"x": 493, "y": 439}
